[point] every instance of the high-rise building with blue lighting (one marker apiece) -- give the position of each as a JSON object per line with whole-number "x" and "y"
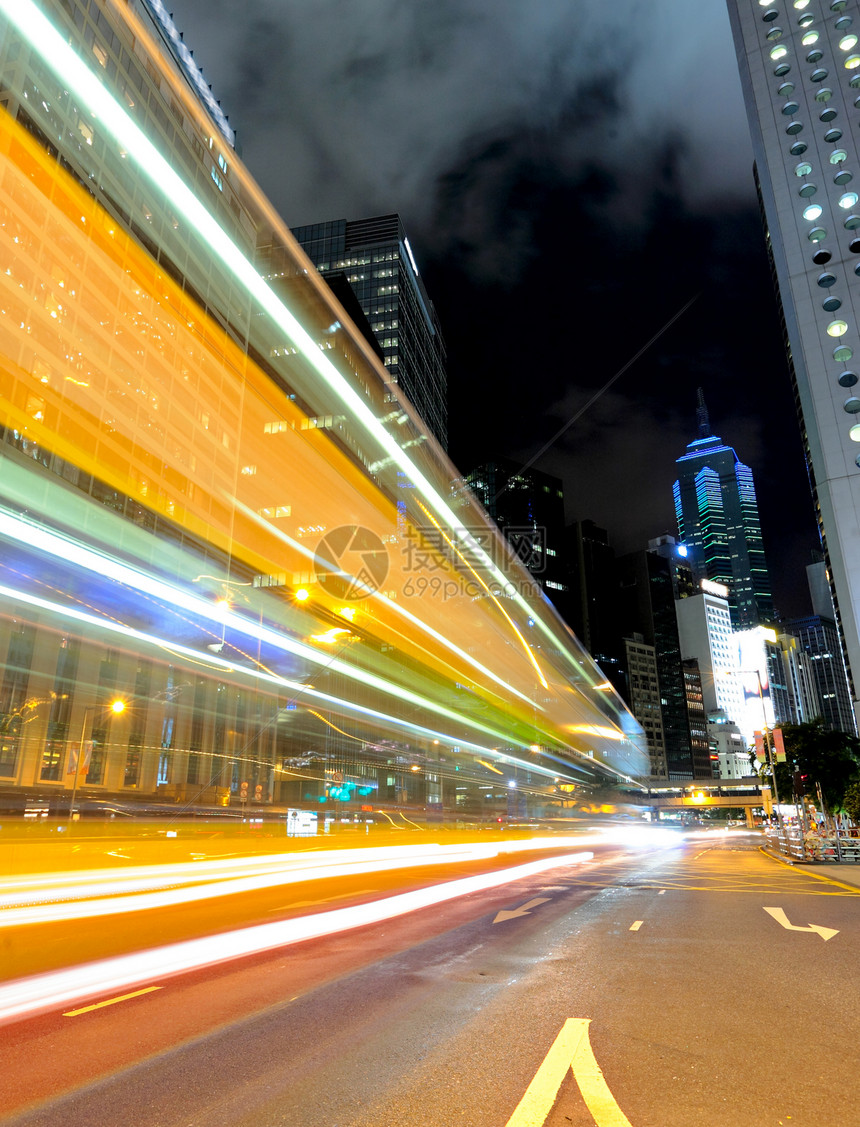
{"x": 718, "y": 520}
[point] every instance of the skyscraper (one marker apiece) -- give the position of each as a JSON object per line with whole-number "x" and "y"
{"x": 528, "y": 506}
{"x": 199, "y": 460}
{"x": 800, "y": 71}
{"x": 374, "y": 258}
{"x": 717, "y": 513}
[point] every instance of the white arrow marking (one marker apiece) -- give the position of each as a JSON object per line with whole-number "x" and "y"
{"x": 781, "y": 918}
{"x": 523, "y": 910}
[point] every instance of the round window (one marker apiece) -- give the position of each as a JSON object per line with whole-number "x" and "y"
{"x": 770, "y": 16}
{"x": 854, "y": 435}
{"x": 803, "y": 169}
{"x": 852, "y": 222}
{"x": 809, "y": 38}
{"x": 847, "y": 42}
{"x": 843, "y": 177}
{"x": 852, "y": 62}
{"x": 801, "y": 4}
{"x": 818, "y": 75}
{"x": 837, "y": 328}
{"x": 806, "y": 19}
{"x": 774, "y": 33}
{"x": 812, "y": 212}
{"x": 843, "y": 22}
{"x": 798, "y": 148}
{"x": 851, "y": 405}
{"x": 822, "y": 95}
{"x": 854, "y": 80}
{"x": 830, "y": 305}
{"x": 848, "y": 199}
{"x": 781, "y": 69}
{"x": 815, "y": 55}
{"x": 817, "y": 235}
{"x": 827, "y": 115}
{"x": 790, "y": 108}
{"x": 843, "y": 353}
{"x": 794, "y": 128}
{"x": 847, "y": 379}
{"x": 788, "y": 88}
{"x": 838, "y": 156}
{"x": 838, "y": 5}
{"x": 778, "y": 52}
{"x": 826, "y": 279}
{"x": 832, "y": 136}
{"x": 822, "y": 255}
{"x": 806, "y": 191}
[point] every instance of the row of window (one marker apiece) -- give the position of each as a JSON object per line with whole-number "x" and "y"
{"x": 811, "y": 212}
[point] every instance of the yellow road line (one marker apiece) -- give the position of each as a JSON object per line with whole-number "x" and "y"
{"x": 571, "y": 1049}
{"x": 110, "y": 1001}
{"x": 637, "y": 925}
{"x": 805, "y": 872}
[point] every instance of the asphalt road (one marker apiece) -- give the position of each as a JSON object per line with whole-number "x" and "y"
{"x": 650, "y": 988}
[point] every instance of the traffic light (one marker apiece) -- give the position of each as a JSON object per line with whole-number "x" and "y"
{"x": 802, "y": 784}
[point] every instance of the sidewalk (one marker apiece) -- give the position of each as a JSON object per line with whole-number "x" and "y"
{"x": 844, "y": 872}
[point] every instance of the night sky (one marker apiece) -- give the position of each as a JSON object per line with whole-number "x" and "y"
{"x": 571, "y": 175}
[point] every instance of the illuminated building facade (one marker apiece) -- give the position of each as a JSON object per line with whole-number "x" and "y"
{"x": 374, "y": 258}
{"x": 718, "y": 521}
{"x": 214, "y": 504}
{"x": 800, "y": 72}
{"x": 640, "y": 661}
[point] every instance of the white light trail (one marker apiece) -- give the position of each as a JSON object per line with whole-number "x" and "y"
{"x": 56, "y": 990}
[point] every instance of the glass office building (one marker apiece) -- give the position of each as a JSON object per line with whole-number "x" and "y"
{"x": 374, "y": 258}
{"x": 215, "y": 507}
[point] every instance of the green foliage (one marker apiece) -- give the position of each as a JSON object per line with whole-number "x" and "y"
{"x": 829, "y": 758}
{"x": 851, "y": 802}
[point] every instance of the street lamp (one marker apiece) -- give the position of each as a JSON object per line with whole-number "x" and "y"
{"x": 116, "y": 706}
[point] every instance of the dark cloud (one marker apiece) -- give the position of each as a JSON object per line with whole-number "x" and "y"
{"x": 571, "y": 175}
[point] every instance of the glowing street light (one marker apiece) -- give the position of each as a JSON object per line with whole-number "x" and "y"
{"x": 116, "y": 706}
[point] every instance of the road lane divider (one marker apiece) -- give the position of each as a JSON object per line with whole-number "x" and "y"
{"x": 52, "y": 990}
{"x": 110, "y": 1001}
{"x": 571, "y": 1049}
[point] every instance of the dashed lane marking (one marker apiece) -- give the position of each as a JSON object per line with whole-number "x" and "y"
{"x": 110, "y": 1001}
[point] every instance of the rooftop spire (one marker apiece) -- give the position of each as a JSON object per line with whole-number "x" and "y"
{"x": 702, "y": 419}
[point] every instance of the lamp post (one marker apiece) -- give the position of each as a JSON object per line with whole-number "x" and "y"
{"x": 116, "y": 706}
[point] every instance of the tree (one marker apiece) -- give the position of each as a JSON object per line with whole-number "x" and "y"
{"x": 851, "y": 802}
{"x": 831, "y": 759}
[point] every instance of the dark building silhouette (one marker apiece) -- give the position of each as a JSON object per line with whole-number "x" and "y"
{"x": 375, "y": 259}
{"x": 528, "y": 506}
{"x": 646, "y": 605}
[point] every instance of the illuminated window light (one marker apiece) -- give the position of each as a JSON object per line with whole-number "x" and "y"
{"x": 852, "y": 62}
{"x": 779, "y": 52}
{"x": 813, "y": 211}
{"x": 847, "y": 42}
{"x": 837, "y": 328}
